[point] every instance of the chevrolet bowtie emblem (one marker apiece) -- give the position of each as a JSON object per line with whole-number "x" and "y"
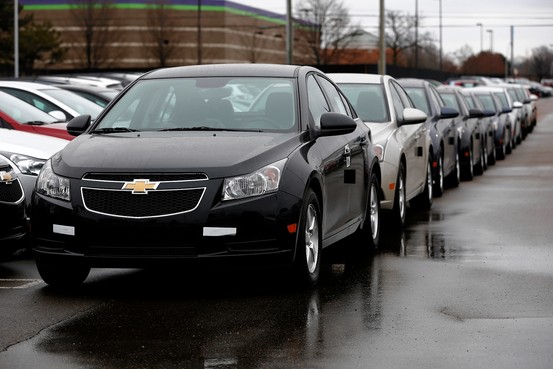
{"x": 140, "y": 186}
{"x": 6, "y": 177}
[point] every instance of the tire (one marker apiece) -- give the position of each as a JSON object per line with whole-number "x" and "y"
{"x": 372, "y": 227}
{"x": 455, "y": 177}
{"x": 424, "y": 199}
{"x": 492, "y": 157}
{"x": 307, "y": 261}
{"x": 481, "y": 165}
{"x": 399, "y": 210}
{"x": 62, "y": 275}
{"x": 439, "y": 180}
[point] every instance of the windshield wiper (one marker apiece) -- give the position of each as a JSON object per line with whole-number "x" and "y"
{"x": 36, "y": 123}
{"x": 114, "y": 129}
{"x": 205, "y": 128}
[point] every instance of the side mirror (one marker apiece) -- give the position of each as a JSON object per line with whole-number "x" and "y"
{"x": 476, "y": 113}
{"x": 533, "y": 97}
{"x": 448, "y": 112}
{"x": 517, "y": 105}
{"x": 488, "y": 113}
{"x": 506, "y": 110}
{"x": 334, "y": 124}
{"x": 78, "y": 125}
{"x": 412, "y": 116}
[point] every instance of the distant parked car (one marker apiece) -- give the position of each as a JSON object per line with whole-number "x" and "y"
{"x": 497, "y": 100}
{"x": 28, "y": 152}
{"x": 19, "y": 115}
{"x": 441, "y": 128}
{"x": 472, "y": 132}
{"x": 98, "y": 95}
{"x": 51, "y": 99}
{"x": 400, "y": 138}
{"x": 13, "y": 220}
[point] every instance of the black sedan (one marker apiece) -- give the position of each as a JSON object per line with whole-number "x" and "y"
{"x": 441, "y": 128}
{"x": 171, "y": 173}
{"x": 13, "y": 220}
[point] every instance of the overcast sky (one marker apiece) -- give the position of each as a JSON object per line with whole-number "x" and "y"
{"x": 532, "y": 21}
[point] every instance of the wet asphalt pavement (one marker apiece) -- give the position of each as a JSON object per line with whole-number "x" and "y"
{"x": 468, "y": 284}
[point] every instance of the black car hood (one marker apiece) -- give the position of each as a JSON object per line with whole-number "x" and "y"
{"x": 218, "y": 154}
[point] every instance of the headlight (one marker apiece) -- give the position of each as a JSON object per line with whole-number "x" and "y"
{"x": 50, "y": 184}
{"x": 26, "y": 164}
{"x": 262, "y": 181}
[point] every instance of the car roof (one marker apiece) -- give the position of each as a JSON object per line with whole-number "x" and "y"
{"x": 357, "y": 77}
{"x": 232, "y": 69}
{"x": 413, "y": 82}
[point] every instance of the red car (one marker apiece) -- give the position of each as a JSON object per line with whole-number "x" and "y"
{"x": 19, "y": 115}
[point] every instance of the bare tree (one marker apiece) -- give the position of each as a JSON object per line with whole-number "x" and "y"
{"x": 326, "y": 29}
{"x": 541, "y": 62}
{"x": 94, "y": 18}
{"x": 400, "y": 37}
{"x": 161, "y": 33}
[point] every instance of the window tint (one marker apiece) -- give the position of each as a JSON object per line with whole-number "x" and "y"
{"x": 335, "y": 100}
{"x": 418, "y": 97}
{"x": 450, "y": 100}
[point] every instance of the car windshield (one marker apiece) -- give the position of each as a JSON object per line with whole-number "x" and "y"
{"x": 22, "y": 111}
{"x": 368, "y": 100}
{"x": 74, "y": 101}
{"x": 487, "y": 101}
{"x": 206, "y": 103}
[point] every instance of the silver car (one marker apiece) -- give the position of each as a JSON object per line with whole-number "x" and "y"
{"x": 399, "y": 135}
{"x": 28, "y": 152}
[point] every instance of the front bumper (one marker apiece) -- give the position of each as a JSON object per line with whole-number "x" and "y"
{"x": 262, "y": 226}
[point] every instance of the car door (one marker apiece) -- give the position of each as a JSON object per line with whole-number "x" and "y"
{"x": 350, "y": 180}
{"x": 354, "y": 173}
{"x": 330, "y": 151}
{"x": 446, "y": 127}
{"x": 414, "y": 138}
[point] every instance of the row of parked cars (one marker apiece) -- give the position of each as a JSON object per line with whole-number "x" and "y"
{"x": 238, "y": 163}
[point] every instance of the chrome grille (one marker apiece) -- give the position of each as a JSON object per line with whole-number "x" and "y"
{"x": 11, "y": 192}
{"x": 120, "y": 203}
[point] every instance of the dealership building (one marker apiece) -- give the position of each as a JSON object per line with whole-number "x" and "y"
{"x": 141, "y": 34}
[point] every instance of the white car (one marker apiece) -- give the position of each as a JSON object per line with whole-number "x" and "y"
{"x": 62, "y": 104}
{"x": 399, "y": 135}
{"x": 28, "y": 152}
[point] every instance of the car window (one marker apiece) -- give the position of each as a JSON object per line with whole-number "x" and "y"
{"x": 368, "y": 100}
{"x": 317, "y": 101}
{"x": 470, "y": 101}
{"x": 486, "y": 100}
{"x": 74, "y": 101}
{"x": 418, "y": 97}
{"x": 450, "y": 99}
{"x": 334, "y": 96}
{"x": 502, "y": 99}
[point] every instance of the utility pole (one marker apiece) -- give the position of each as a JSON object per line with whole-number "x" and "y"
{"x": 441, "y": 48}
{"x": 289, "y": 32}
{"x": 416, "y": 34}
{"x": 199, "y": 33}
{"x": 16, "y": 38}
{"x": 481, "y": 36}
{"x": 382, "y": 39}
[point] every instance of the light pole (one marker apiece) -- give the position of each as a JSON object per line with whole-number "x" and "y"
{"x": 289, "y": 33}
{"x": 16, "y": 39}
{"x": 490, "y": 31}
{"x": 199, "y": 31}
{"x": 441, "y": 48}
{"x": 481, "y": 36}
{"x": 382, "y": 40}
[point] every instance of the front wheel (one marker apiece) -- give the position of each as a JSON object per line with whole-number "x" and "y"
{"x": 424, "y": 199}
{"x": 400, "y": 206}
{"x": 62, "y": 275}
{"x": 307, "y": 262}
